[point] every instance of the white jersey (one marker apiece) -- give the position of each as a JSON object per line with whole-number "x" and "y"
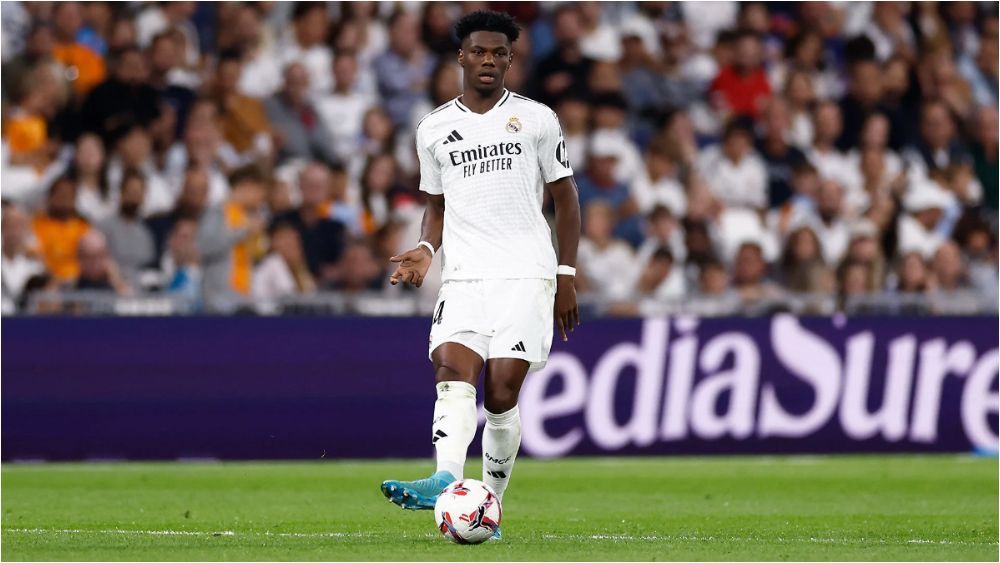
{"x": 491, "y": 168}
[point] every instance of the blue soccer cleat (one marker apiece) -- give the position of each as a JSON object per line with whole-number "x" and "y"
{"x": 417, "y": 495}
{"x": 497, "y": 536}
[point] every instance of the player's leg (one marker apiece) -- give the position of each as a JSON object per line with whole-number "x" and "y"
{"x": 520, "y": 344}
{"x": 456, "y": 371}
{"x": 502, "y": 434}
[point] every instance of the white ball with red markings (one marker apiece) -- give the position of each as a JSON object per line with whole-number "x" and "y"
{"x": 468, "y": 511}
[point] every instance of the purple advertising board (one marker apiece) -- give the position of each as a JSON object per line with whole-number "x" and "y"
{"x": 310, "y": 387}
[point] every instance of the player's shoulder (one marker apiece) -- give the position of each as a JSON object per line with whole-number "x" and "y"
{"x": 441, "y": 114}
{"x": 530, "y": 105}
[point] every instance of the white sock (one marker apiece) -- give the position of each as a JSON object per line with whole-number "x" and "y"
{"x": 501, "y": 439}
{"x": 454, "y": 425}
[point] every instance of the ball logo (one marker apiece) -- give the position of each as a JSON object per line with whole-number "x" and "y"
{"x": 513, "y": 125}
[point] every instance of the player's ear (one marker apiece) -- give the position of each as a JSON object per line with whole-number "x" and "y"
{"x": 461, "y": 57}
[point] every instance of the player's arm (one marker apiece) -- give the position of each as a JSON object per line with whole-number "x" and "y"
{"x": 567, "y": 204}
{"x": 414, "y": 263}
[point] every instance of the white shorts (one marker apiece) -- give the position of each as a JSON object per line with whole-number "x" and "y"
{"x": 497, "y": 318}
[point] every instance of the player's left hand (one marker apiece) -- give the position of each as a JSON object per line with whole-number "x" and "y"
{"x": 566, "y": 310}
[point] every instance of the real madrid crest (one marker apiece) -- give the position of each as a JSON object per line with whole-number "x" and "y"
{"x": 513, "y": 125}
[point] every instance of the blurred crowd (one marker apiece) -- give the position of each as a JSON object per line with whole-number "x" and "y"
{"x": 235, "y": 152}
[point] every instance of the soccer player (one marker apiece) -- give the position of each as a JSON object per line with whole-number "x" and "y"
{"x": 485, "y": 158}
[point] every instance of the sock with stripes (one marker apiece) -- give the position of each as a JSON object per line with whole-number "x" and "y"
{"x": 454, "y": 425}
{"x": 501, "y": 439}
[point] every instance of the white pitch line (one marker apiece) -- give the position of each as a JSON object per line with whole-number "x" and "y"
{"x": 197, "y": 533}
{"x": 564, "y": 537}
{"x": 840, "y": 541}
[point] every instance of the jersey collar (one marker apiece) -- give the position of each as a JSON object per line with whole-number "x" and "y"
{"x": 500, "y": 102}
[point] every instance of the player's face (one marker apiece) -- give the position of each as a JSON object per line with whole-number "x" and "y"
{"x": 485, "y": 57}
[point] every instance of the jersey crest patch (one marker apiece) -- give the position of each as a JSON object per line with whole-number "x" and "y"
{"x": 513, "y": 125}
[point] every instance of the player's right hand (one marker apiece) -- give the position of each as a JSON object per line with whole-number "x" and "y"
{"x": 413, "y": 266}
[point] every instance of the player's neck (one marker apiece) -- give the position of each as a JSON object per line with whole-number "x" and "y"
{"x": 480, "y": 102}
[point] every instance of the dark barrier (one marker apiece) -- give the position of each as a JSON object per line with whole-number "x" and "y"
{"x": 155, "y": 388}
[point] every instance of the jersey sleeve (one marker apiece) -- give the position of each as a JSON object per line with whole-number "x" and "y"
{"x": 552, "y": 157}
{"x": 430, "y": 168}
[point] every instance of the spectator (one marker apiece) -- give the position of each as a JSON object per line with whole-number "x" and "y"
{"x": 861, "y": 101}
{"x": 58, "y": 230}
{"x": 922, "y": 228}
{"x": 803, "y": 267}
{"x": 19, "y": 263}
{"x": 800, "y": 95}
{"x": 305, "y": 46}
{"x": 735, "y": 174}
{"x": 864, "y": 248}
{"x": 182, "y": 262}
{"x": 261, "y": 75}
{"x": 25, "y": 127}
{"x": 574, "y": 116}
{"x": 129, "y": 240}
{"x": 38, "y": 52}
{"x": 357, "y": 269}
{"x": 403, "y": 71}
{"x": 913, "y": 274}
{"x": 889, "y": 32}
{"x": 295, "y": 120}
{"x": 750, "y": 274}
{"x": 566, "y": 69}
{"x": 660, "y": 279}
{"x": 662, "y": 231}
{"x": 607, "y": 264}
{"x": 284, "y": 271}
{"x": 170, "y": 16}
{"x": 242, "y": 120}
{"x": 134, "y": 151}
{"x": 343, "y": 110}
{"x": 98, "y": 271}
{"x": 89, "y": 171}
{"x": 829, "y": 161}
{"x": 984, "y": 155}
{"x": 123, "y": 100}
{"x": 778, "y": 155}
{"x": 948, "y": 268}
{"x": 342, "y": 209}
{"x": 658, "y": 184}
{"x": 436, "y": 29}
{"x": 244, "y": 211}
{"x": 323, "y": 239}
{"x": 86, "y": 67}
{"x": 981, "y": 73}
{"x": 742, "y": 87}
{"x": 599, "y": 183}
{"x": 380, "y": 192}
{"x": 831, "y": 226}
{"x": 939, "y": 146}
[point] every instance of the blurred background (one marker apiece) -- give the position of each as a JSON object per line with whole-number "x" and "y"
{"x": 789, "y": 226}
{"x": 164, "y": 158}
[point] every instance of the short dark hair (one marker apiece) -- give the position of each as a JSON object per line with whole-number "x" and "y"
{"x": 487, "y": 20}
{"x": 247, "y": 173}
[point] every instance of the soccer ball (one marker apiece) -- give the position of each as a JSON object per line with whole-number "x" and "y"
{"x": 468, "y": 512}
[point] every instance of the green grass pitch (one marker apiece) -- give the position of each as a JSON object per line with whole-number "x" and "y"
{"x": 684, "y": 508}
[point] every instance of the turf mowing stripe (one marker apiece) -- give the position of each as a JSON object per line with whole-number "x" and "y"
{"x": 562, "y": 537}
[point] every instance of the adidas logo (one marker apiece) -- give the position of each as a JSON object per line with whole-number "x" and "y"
{"x": 497, "y": 474}
{"x": 519, "y": 347}
{"x": 454, "y": 136}
{"x": 437, "y": 436}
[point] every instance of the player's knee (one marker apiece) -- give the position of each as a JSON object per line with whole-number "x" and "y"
{"x": 500, "y": 399}
{"x": 446, "y": 372}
